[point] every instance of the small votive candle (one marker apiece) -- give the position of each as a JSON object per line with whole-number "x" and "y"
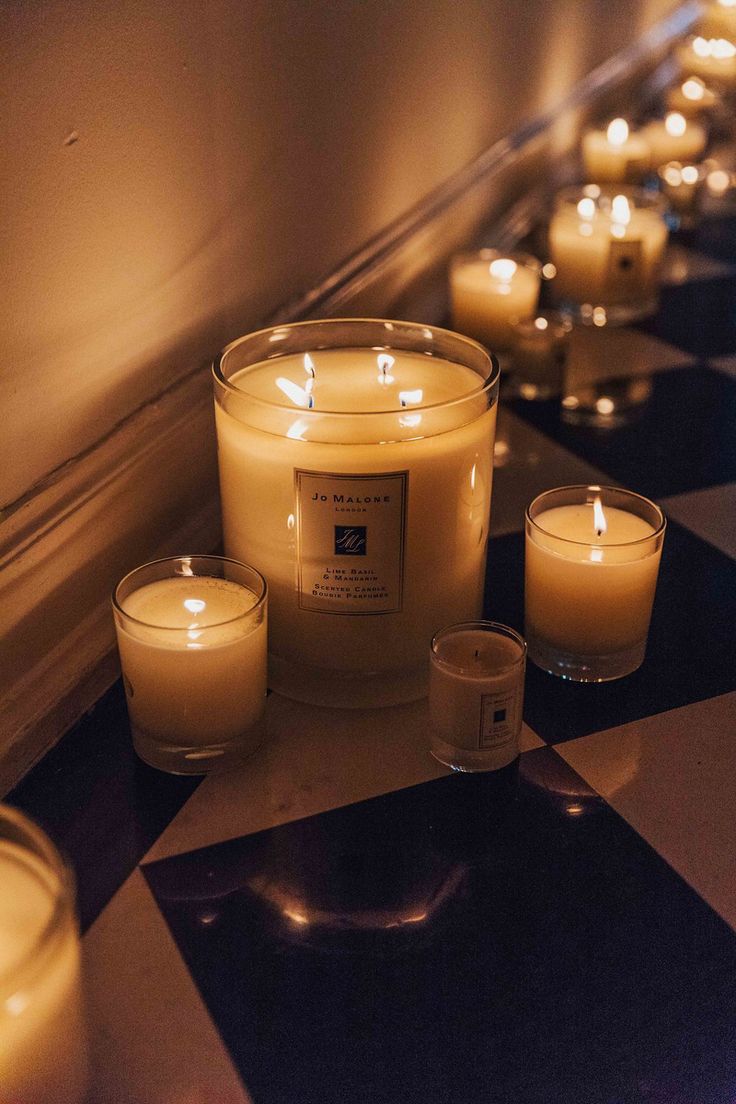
{"x": 489, "y": 290}
{"x": 674, "y": 138}
{"x": 476, "y": 695}
{"x": 607, "y": 247}
{"x": 682, "y": 185}
{"x": 539, "y": 355}
{"x": 43, "y": 1039}
{"x": 192, "y": 640}
{"x": 692, "y": 97}
{"x": 615, "y": 154}
{"x": 711, "y": 59}
{"x": 592, "y": 559}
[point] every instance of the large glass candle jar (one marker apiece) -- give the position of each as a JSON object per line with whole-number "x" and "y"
{"x": 43, "y": 1048}
{"x": 355, "y": 472}
{"x": 607, "y": 246}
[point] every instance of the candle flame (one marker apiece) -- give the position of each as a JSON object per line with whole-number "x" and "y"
{"x": 503, "y": 268}
{"x": 722, "y": 48}
{"x": 675, "y": 124}
{"x": 690, "y": 174}
{"x": 620, "y": 210}
{"x": 540, "y": 323}
{"x": 406, "y": 397}
{"x": 599, "y": 518}
{"x": 298, "y": 395}
{"x": 297, "y": 429}
{"x": 719, "y": 48}
{"x": 618, "y": 132}
{"x": 718, "y": 181}
{"x": 385, "y": 363}
{"x": 586, "y": 208}
{"x": 693, "y": 89}
{"x": 194, "y": 605}
{"x": 309, "y": 365}
{"x": 673, "y": 174}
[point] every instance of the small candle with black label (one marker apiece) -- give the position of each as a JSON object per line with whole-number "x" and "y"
{"x": 476, "y": 695}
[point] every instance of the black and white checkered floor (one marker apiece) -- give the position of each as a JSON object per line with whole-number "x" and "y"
{"x": 341, "y": 919}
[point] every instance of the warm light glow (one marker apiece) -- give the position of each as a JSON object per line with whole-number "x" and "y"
{"x": 549, "y": 271}
{"x": 620, "y": 210}
{"x": 599, "y": 518}
{"x": 194, "y": 605}
{"x": 672, "y": 174}
{"x": 693, "y": 89}
{"x": 605, "y": 405}
{"x": 308, "y": 365}
{"x": 472, "y": 477}
{"x": 503, "y": 268}
{"x": 298, "y": 395}
{"x": 701, "y": 47}
{"x": 675, "y": 124}
{"x": 540, "y": 323}
{"x": 690, "y": 174}
{"x": 406, "y": 397}
{"x": 599, "y": 316}
{"x": 618, "y": 132}
{"x": 586, "y": 208}
{"x": 718, "y": 181}
{"x": 727, "y": 3}
{"x": 722, "y": 48}
{"x": 385, "y": 363}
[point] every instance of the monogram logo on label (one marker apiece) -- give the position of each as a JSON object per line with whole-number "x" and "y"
{"x": 350, "y": 540}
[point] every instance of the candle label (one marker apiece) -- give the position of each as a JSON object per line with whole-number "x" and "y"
{"x": 625, "y": 260}
{"x": 350, "y": 541}
{"x": 500, "y": 718}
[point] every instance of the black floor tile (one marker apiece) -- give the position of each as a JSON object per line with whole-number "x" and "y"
{"x": 682, "y": 439}
{"x": 99, "y": 803}
{"x": 699, "y": 317}
{"x": 371, "y": 954}
{"x": 690, "y": 654}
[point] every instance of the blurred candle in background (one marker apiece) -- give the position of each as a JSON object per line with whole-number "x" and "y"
{"x": 712, "y": 59}
{"x": 615, "y": 154}
{"x": 489, "y": 290}
{"x": 692, "y": 98}
{"x": 675, "y": 138}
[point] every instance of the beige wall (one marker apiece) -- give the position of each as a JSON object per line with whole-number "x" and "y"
{"x": 174, "y": 171}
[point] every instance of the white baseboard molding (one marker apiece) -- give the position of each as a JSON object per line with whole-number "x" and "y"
{"x": 150, "y": 487}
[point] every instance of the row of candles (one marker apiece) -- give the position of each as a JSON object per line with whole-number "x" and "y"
{"x": 356, "y": 464}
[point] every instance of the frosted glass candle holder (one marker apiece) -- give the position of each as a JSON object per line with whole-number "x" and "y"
{"x": 489, "y": 291}
{"x": 356, "y": 459}
{"x": 43, "y": 1039}
{"x": 607, "y": 245}
{"x": 592, "y": 559}
{"x": 476, "y": 695}
{"x": 192, "y": 640}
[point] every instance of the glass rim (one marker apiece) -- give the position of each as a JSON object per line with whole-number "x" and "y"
{"x": 497, "y": 627}
{"x": 645, "y": 199}
{"x": 62, "y": 893}
{"x": 487, "y": 381}
{"x": 633, "y": 495}
{"x": 260, "y": 602}
{"x": 492, "y": 252}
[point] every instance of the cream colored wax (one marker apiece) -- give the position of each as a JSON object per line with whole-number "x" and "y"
{"x": 607, "y": 257}
{"x": 614, "y": 154}
{"x": 488, "y": 296}
{"x": 194, "y": 662}
{"x": 43, "y": 1056}
{"x": 589, "y": 592}
{"x": 412, "y": 484}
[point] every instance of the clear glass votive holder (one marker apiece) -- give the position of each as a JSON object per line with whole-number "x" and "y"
{"x": 539, "y": 356}
{"x": 476, "y": 695}
{"x": 592, "y": 559}
{"x": 43, "y": 1037}
{"x": 192, "y": 637}
{"x": 607, "y": 244}
{"x": 682, "y": 185}
{"x": 489, "y": 290}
